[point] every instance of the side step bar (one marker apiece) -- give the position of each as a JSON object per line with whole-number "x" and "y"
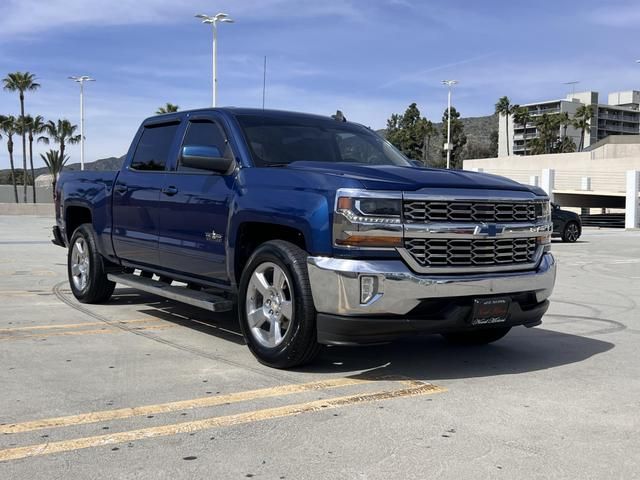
{"x": 205, "y": 300}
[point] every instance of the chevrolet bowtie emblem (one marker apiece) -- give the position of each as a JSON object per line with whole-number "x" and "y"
{"x": 489, "y": 230}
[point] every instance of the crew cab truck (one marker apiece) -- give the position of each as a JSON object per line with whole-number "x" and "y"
{"x": 316, "y": 230}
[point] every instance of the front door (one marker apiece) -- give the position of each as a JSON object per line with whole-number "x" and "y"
{"x": 136, "y": 196}
{"x": 195, "y": 209}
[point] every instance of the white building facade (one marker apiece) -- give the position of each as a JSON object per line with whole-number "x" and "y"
{"x": 619, "y": 116}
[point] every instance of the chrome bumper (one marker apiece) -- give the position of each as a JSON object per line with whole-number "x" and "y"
{"x": 335, "y": 285}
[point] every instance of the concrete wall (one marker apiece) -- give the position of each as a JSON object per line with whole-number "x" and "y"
{"x": 43, "y": 194}
{"x": 607, "y": 172}
{"x": 40, "y": 209}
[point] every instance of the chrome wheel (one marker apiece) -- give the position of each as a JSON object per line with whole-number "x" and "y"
{"x": 80, "y": 264}
{"x": 269, "y": 304}
{"x": 572, "y": 232}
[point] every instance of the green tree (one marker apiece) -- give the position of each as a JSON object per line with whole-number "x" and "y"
{"x": 458, "y": 137}
{"x": 60, "y": 132}
{"x": 429, "y": 132}
{"x": 55, "y": 162}
{"x": 522, "y": 117}
{"x": 167, "y": 108}
{"x": 504, "y": 107}
{"x": 582, "y": 121}
{"x": 21, "y": 82}
{"x": 9, "y": 128}
{"x": 35, "y": 126}
{"x": 408, "y": 132}
{"x": 547, "y": 126}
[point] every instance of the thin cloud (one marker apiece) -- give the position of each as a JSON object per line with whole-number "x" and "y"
{"x": 422, "y": 76}
{"x": 28, "y": 17}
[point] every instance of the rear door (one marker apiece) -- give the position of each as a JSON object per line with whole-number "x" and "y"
{"x": 195, "y": 208}
{"x": 136, "y": 194}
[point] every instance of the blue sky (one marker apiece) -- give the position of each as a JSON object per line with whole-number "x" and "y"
{"x": 367, "y": 58}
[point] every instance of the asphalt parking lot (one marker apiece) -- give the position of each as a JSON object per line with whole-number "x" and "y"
{"x": 146, "y": 388}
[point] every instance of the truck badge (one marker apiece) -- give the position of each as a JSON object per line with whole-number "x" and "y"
{"x": 212, "y": 236}
{"x": 489, "y": 230}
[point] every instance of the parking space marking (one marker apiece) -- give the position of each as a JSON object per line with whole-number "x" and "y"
{"x": 73, "y": 325}
{"x": 106, "y": 329}
{"x": 180, "y": 405}
{"x": 414, "y": 389}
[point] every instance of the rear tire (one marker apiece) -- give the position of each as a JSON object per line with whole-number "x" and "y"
{"x": 275, "y": 306}
{"x": 571, "y": 232}
{"x": 85, "y": 268}
{"x": 478, "y": 337}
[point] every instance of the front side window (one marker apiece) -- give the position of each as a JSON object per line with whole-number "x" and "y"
{"x": 154, "y": 147}
{"x": 205, "y": 133}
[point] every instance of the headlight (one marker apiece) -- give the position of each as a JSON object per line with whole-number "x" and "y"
{"x": 543, "y": 211}
{"x": 543, "y": 214}
{"x": 367, "y": 219}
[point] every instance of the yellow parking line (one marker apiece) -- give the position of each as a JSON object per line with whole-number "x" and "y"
{"x": 201, "y": 402}
{"x": 107, "y": 329}
{"x": 213, "y": 422}
{"x": 73, "y": 325}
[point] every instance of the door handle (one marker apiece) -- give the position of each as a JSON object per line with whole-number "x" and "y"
{"x": 121, "y": 189}
{"x": 170, "y": 191}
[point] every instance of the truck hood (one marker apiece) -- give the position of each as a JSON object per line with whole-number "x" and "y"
{"x": 378, "y": 177}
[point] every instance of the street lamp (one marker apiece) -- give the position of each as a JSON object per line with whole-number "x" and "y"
{"x": 213, "y": 21}
{"x": 449, "y": 84}
{"x": 81, "y": 79}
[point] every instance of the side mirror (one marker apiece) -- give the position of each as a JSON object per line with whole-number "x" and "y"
{"x": 205, "y": 158}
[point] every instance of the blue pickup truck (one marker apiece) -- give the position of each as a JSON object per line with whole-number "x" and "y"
{"x": 315, "y": 230}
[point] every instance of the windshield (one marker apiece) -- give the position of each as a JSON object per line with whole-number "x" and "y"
{"x": 280, "y": 141}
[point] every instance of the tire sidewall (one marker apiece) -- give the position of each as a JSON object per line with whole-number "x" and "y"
{"x": 566, "y": 230}
{"x": 303, "y": 313}
{"x": 85, "y": 231}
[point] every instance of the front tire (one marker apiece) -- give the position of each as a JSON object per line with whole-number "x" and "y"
{"x": 478, "y": 337}
{"x": 85, "y": 268}
{"x": 571, "y": 232}
{"x": 275, "y": 306}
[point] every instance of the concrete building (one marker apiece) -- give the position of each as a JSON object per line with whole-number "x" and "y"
{"x": 607, "y": 176}
{"x": 619, "y": 116}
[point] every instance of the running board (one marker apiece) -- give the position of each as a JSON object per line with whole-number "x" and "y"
{"x": 197, "y": 298}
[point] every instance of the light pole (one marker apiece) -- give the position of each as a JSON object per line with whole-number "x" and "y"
{"x": 81, "y": 79}
{"x": 213, "y": 21}
{"x": 449, "y": 84}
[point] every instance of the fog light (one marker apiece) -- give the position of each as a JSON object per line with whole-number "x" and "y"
{"x": 368, "y": 288}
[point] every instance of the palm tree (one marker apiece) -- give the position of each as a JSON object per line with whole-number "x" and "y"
{"x": 8, "y": 127}
{"x": 504, "y": 107}
{"x": 564, "y": 121}
{"x": 35, "y": 126}
{"x": 547, "y": 126}
{"x": 55, "y": 163}
{"x": 167, "y": 108}
{"x": 582, "y": 121}
{"x": 60, "y": 132}
{"x": 521, "y": 116}
{"x": 22, "y": 82}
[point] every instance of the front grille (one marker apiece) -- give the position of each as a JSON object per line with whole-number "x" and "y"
{"x": 422, "y": 211}
{"x": 437, "y": 252}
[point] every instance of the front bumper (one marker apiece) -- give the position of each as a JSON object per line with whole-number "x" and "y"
{"x": 407, "y": 302}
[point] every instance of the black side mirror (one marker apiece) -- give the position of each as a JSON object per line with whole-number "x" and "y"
{"x": 205, "y": 158}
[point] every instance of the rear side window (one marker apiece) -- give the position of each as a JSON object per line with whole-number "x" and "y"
{"x": 153, "y": 148}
